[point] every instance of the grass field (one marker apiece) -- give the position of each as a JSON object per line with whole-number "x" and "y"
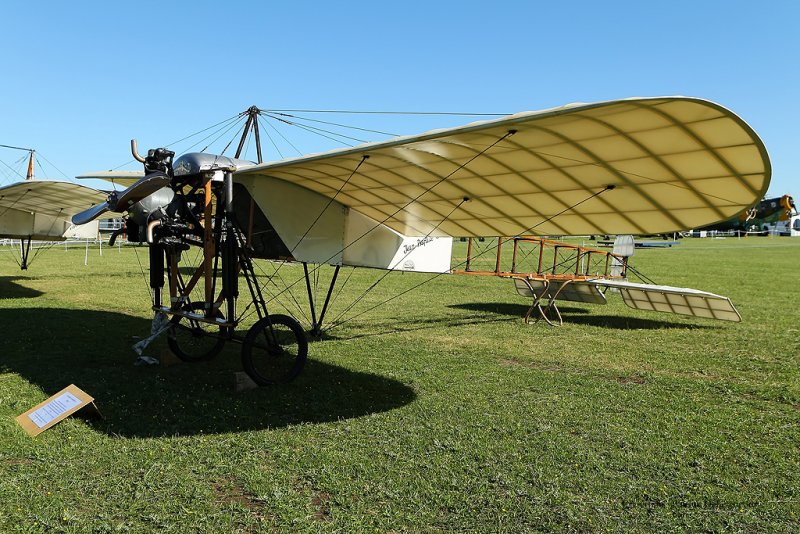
{"x": 440, "y": 411}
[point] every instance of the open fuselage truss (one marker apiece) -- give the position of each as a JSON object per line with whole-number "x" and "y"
{"x": 547, "y": 271}
{"x": 541, "y": 259}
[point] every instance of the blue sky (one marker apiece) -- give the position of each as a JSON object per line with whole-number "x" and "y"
{"x": 82, "y": 78}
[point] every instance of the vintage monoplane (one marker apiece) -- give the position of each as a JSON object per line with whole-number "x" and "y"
{"x": 42, "y": 210}
{"x": 634, "y": 166}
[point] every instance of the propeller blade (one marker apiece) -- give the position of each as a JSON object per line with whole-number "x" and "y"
{"x": 90, "y": 214}
{"x": 138, "y": 191}
{"x": 122, "y": 201}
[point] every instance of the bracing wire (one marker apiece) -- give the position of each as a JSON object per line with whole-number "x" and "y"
{"x": 414, "y": 199}
{"x": 144, "y": 276}
{"x": 321, "y": 213}
{"x": 17, "y": 148}
{"x": 231, "y": 140}
{"x": 271, "y": 140}
{"x": 330, "y": 201}
{"x": 244, "y": 313}
{"x": 39, "y": 166}
{"x": 15, "y": 201}
{"x": 40, "y": 156}
{"x": 229, "y": 119}
{"x": 299, "y": 152}
{"x": 38, "y": 250}
{"x": 294, "y": 299}
{"x": 524, "y": 256}
{"x": 232, "y": 126}
{"x": 11, "y": 147}
{"x": 295, "y": 117}
{"x": 321, "y": 132}
{"x": 356, "y": 112}
{"x": 273, "y": 297}
{"x": 14, "y": 254}
{"x": 247, "y": 145}
{"x": 641, "y": 275}
{"x": 12, "y": 170}
{"x": 343, "y": 284}
{"x": 224, "y": 123}
{"x": 500, "y": 242}
{"x": 390, "y": 270}
{"x": 49, "y": 246}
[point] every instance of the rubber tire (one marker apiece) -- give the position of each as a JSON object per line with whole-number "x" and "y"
{"x": 255, "y": 333}
{"x": 188, "y": 357}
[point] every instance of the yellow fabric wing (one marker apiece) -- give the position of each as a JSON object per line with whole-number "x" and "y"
{"x": 640, "y": 166}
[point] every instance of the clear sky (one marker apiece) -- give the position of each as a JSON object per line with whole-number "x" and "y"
{"x": 80, "y": 79}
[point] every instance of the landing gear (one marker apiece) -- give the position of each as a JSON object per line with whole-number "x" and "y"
{"x": 316, "y": 324}
{"x": 24, "y": 250}
{"x": 199, "y": 215}
{"x": 274, "y": 350}
{"x": 193, "y": 340}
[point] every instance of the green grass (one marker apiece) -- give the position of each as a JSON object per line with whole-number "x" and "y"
{"x": 440, "y": 411}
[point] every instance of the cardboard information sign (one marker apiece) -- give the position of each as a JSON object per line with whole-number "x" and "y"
{"x": 55, "y": 409}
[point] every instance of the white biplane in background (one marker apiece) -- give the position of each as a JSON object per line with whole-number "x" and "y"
{"x": 42, "y": 210}
{"x": 634, "y": 166}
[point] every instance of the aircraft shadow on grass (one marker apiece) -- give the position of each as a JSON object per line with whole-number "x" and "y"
{"x": 583, "y": 316}
{"x": 503, "y": 312}
{"x": 9, "y": 289}
{"x": 382, "y": 327}
{"x": 92, "y": 349}
{"x": 507, "y": 308}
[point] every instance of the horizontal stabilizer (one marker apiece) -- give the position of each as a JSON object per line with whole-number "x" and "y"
{"x": 683, "y": 301}
{"x": 563, "y": 290}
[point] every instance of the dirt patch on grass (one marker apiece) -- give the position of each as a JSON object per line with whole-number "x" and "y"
{"x": 631, "y": 379}
{"x": 228, "y": 491}
{"x": 16, "y": 461}
{"x": 321, "y": 503}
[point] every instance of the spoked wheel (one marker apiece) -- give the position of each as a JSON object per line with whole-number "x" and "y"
{"x": 195, "y": 341}
{"x": 274, "y": 350}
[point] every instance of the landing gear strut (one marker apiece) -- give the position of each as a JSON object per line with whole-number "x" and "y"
{"x": 24, "y": 250}
{"x": 316, "y": 325}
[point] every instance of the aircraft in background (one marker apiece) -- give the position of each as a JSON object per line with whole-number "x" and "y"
{"x": 635, "y": 166}
{"x": 42, "y": 210}
{"x": 760, "y": 218}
